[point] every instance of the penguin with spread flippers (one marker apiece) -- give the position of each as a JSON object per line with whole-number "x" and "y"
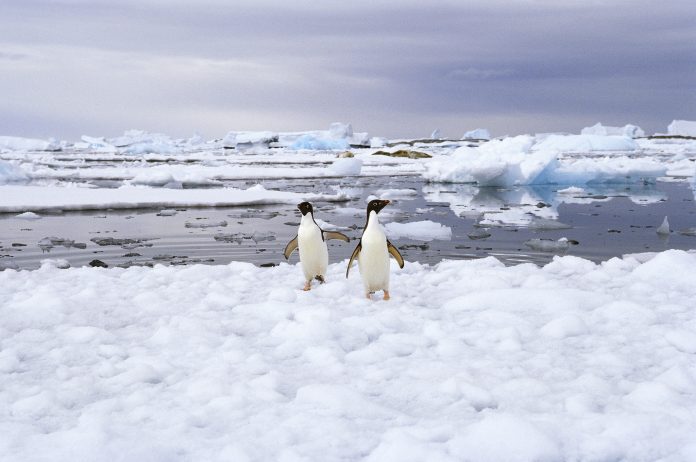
{"x": 373, "y": 252}
{"x": 311, "y": 244}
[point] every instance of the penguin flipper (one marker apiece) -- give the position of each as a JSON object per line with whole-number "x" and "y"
{"x": 355, "y": 254}
{"x": 395, "y": 253}
{"x": 292, "y": 245}
{"x": 336, "y": 235}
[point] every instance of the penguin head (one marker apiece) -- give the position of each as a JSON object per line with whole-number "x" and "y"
{"x": 376, "y": 205}
{"x": 305, "y": 208}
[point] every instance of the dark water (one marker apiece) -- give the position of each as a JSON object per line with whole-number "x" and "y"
{"x": 615, "y": 222}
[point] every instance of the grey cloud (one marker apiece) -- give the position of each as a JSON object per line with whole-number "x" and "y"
{"x": 392, "y": 68}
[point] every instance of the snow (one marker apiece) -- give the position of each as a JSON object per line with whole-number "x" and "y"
{"x": 470, "y": 360}
{"x": 425, "y": 230}
{"x": 629, "y": 130}
{"x": 478, "y": 134}
{"x": 682, "y": 128}
{"x": 28, "y": 198}
{"x": 15, "y": 143}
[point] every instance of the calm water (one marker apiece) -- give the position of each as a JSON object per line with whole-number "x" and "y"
{"x": 611, "y": 223}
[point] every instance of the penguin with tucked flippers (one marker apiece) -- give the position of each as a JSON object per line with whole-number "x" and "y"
{"x": 373, "y": 252}
{"x": 311, "y": 244}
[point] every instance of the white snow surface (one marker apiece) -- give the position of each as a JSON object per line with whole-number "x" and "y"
{"x": 28, "y": 198}
{"x": 425, "y": 230}
{"x": 470, "y": 360}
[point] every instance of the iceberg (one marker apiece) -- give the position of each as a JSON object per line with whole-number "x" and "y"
{"x": 586, "y": 143}
{"x": 15, "y": 143}
{"x": 682, "y": 128}
{"x": 310, "y": 142}
{"x": 478, "y": 134}
{"x": 632, "y": 131}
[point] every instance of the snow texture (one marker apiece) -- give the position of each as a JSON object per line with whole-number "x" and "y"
{"x": 470, "y": 360}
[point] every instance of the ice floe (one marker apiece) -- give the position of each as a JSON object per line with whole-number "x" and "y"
{"x": 629, "y": 130}
{"x": 470, "y": 360}
{"x": 30, "y": 198}
{"x": 425, "y": 230}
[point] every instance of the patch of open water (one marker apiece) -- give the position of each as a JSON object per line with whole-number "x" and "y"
{"x": 609, "y": 223}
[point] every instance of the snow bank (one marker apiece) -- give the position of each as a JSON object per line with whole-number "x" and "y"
{"x": 10, "y": 173}
{"x": 682, "y": 128}
{"x": 471, "y": 360}
{"x": 419, "y": 230}
{"x": 28, "y": 198}
{"x": 15, "y": 143}
{"x": 632, "y": 131}
{"x": 478, "y": 134}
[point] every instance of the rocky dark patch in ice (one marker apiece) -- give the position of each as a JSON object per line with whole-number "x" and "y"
{"x": 98, "y": 264}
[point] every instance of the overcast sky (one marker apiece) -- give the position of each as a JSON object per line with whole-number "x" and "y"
{"x": 392, "y": 68}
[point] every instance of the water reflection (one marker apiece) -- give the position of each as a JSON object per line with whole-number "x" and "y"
{"x": 529, "y": 206}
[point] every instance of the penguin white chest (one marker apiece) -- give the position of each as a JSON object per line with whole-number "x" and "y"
{"x": 314, "y": 255}
{"x": 373, "y": 259}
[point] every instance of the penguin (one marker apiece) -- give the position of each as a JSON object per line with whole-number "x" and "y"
{"x": 373, "y": 252}
{"x": 311, "y": 244}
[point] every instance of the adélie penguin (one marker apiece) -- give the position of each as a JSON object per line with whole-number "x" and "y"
{"x": 373, "y": 252}
{"x": 311, "y": 244}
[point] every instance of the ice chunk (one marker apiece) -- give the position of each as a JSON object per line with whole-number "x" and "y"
{"x": 682, "y": 128}
{"x": 320, "y": 144}
{"x": 419, "y": 230}
{"x": 29, "y": 216}
{"x": 545, "y": 224}
{"x": 378, "y": 142}
{"x": 436, "y": 134}
{"x": 586, "y": 143}
{"x": 347, "y": 166}
{"x": 548, "y": 245}
{"x": 10, "y": 173}
{"x": 206, "y": 224}
{"x": 478, "y": 134}
{"x": 15, "y": 143}
{"x": 663, "y": 229}
{"x": 340, "y": 130}
{"x": 629, "y": 130}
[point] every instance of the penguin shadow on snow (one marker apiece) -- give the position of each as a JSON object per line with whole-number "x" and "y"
{"x": 310, "y": 242}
